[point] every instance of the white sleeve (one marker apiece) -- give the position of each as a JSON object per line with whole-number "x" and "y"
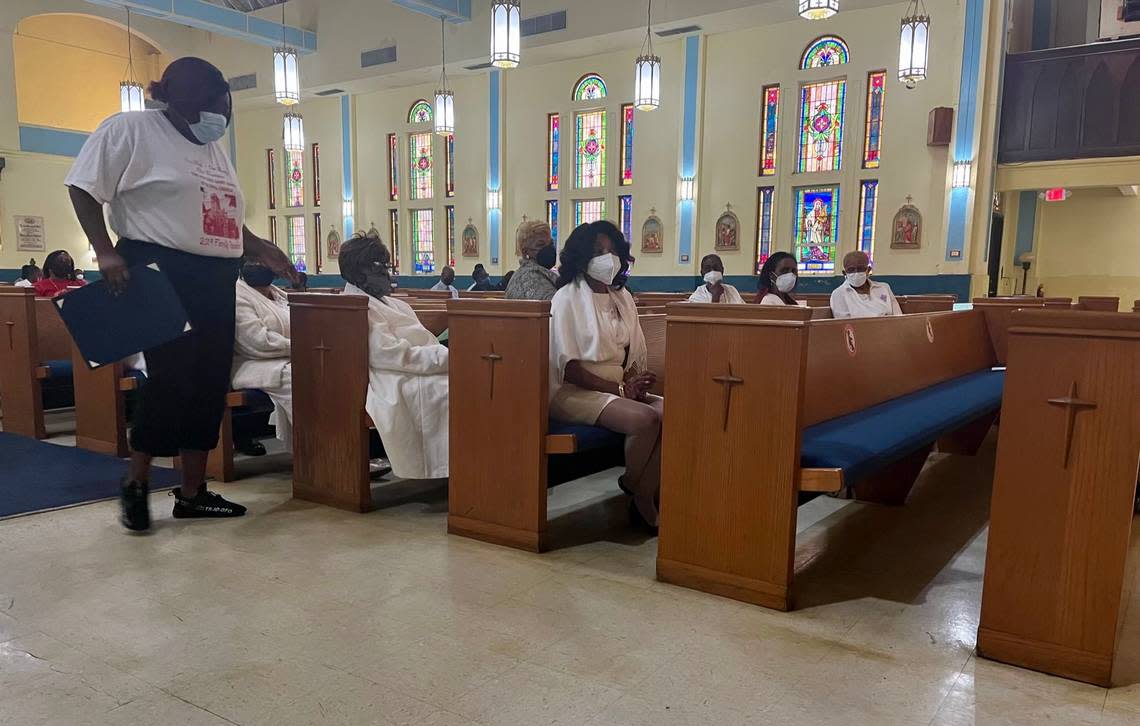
{"x": 253, "y": 339}
{"x": 101, "y": 162}
{"x": 895, "y": 309}
{"x": 387, "y": 352}
{"x": 771, "y": 299}
{"x": 838, "y": 306}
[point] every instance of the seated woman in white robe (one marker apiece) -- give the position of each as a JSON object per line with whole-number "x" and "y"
{"x": 407, "y": 378}
{"x": 598, "y": 359}
{"x": 778, "y": 277}
{"x": 714, "y": 289}
{"x": 262, "y": 345}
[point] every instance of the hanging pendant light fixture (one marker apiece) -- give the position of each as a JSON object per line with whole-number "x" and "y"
{"x": 130, "y": 90}
{"x": 913, "y": 48}
{"x": 286, "y": 72}
{"x": 505, "y": 41}
{"x": 647, "y": 71}
{"x": 818, "y": 9}
{"x": 444, "y": 99}
{"x": 294, "y": 132}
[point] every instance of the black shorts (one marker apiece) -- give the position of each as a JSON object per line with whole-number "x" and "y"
{"x": 184, "y": 398}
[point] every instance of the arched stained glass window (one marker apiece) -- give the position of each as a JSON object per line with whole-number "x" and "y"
{"x": 420, "y": 113}
{"x": 821, "y": 126}
{"x": 589, "y": 87}
{"x": 816, "y": 231}
{"x": 829, "y": 50}
{"x": 590, "y": 149}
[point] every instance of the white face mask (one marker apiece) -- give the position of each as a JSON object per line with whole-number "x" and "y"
{"x": 210, "y": 127}
{"x": 857, "y": 279}
{"x": 713, "y": 277}
{"x": 603, "y": 268}
{"x": 786, "y": 282}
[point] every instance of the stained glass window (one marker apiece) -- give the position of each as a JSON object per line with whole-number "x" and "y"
{"x": 625, "y": 215}
{"x": 271, "y": 168}
{"x": 770, "y": 127}
{"x": 553, "y": 127}
{"x": 821, "y": 126}
{"x": 273, "y": 229}
{"x": 816, "y": 230}
{"x": 423, "y": 246}
{"x": 295, "y": 227}
{"x": 589, "y": 87}
{"x": 317, "y": 176}
{"x": 627, "y": 144}
{"x": 824, "y": 52}
{"x": 590, "y": 154}
{"x": 552, "y": 218}
{"x": 420, "y": 112}
{"x": 449, "y": 164}
{"x": 317, "y": 238}
{"x": 876, "y": 97}
{"x": 868, "y": 211}
{"x": 394, "y": 237}
{"x": 589, "y": 210}
{"x": 419, "y": 152}
{"x": 450, "y": 236}
{"x": 393, "y": 168}
{"x": 294, "y": 179}
{"x": 764, "y": 198}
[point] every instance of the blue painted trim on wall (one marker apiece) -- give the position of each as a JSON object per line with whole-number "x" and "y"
{"x": 346, "y": 161}
{"x": 217, "y": 19}
{"x": 967, "y": 119}
{"x": 44, "y": 140}
{"x": 1026, "y": 223}
{"x": 689, "y": 143}
{"x": 453, "y": 11}
{"x": 494, "y": 171}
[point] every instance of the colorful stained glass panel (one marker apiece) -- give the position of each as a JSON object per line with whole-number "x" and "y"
{"x": 589, "y": 210}
{"x": 821, "y": 126}
{"x": 876, "y": 97}
{"x": 825, "y": 52}
{"x": 764, "y": 199}
{"x": 419, "y": 152}
{"x": 816, "y": 230}
{"x": 552, "y": 219}
{"x": 769, "y": 133}
{"x": 625, "y": 215}
{"x": 590, "y": 151}
{"x": 590, "y": 87}
{"x": 449, "y": 162}
{"x": 553, "y": 132}
{"x": 450, "y": 210}
{"x": 393, "y": 168}
{"x": 420, "y": 113}
{"x": 296, "y": 241}
{"x": 627, "y": 144}
{"x": 294, "y": 179}
{"x": 868, "y": 212}
{"x": 423, "y": 245}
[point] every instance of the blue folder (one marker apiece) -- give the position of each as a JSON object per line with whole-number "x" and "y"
{"x": 108, "y": 327}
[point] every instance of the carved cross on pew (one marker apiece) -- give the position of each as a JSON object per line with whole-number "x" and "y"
{"x": 728, "y": 382}
{"x": 322, "y": 349}
{"x": 492, "y": 358}
{"x": 11, "y": 324}
{"x": 1074, "y": 406}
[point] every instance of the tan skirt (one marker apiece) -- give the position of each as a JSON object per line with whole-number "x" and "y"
{"x": 576, "y": 405}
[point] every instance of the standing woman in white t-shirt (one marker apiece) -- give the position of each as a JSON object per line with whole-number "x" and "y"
{"x": 174, "y": 200}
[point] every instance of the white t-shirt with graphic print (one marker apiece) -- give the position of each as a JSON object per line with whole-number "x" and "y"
{"x": 161, "y": 187}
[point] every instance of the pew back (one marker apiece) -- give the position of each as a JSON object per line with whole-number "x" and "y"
{"x": 998, "y": 313}
{"x": 482, "y": 294}
{"x": 55, "y": 341}
{"x": 19, "y": 356}
{"x": 1099, "y": 303}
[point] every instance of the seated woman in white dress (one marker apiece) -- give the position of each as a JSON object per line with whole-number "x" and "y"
{"x": 714, "y": 289}
{"x": 778, "y": 277}
{"x": 407, "y": 378}
{"x": 262, "y": 345}
{"x": 598, "y": 359}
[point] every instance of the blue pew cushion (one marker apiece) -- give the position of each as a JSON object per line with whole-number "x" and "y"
{"x": 862, "y": 442}
{"x": 58, "y": 368}
{"x": 256, "y": 401}
{"x": 588, "y": 437}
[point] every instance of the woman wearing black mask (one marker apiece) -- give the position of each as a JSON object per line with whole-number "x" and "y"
{"x": 174, "y": 200}
{"x": 59, "y": 275}
{"x": 534, "y": 280}
{"x": 407, "y": 377}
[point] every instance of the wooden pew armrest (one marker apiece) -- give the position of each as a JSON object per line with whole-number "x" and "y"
{"x": 128, "y": 383}
{"x": 561, "y": 443}
{"x": 42, "y": 373}
{"x": 821, "y": 480}
{"x": 235, "y": 399}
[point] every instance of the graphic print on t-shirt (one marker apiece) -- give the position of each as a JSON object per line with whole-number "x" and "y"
{"x": 220, "y": 224}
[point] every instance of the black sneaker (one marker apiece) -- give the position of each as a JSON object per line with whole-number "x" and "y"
{"x": 135, "y": 514}
{"x": 205, "y": 504}
{"x": 252, "y": 447}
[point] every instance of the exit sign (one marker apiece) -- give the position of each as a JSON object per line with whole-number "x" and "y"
{"x": 1058, "y": 194}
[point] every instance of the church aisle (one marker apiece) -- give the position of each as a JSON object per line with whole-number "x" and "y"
{"x": 301, "y": 614}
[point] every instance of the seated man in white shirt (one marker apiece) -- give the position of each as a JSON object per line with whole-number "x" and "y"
{"x": 714, "y": 289}
{"x": 262, "y": 346}
{"x": 859, "y": 296}
{"x": 446, "y": 282}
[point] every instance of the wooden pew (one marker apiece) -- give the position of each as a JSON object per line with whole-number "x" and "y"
{"x": 482, "y": 294}
{"x": 1057, "y": 566}
{"x": 654, "y": 299}
{"x": 732, "y": 479}
{"x": 100, "y": 405}
{"x": 502, "y": 438}
{"x": 34, "y": 348}
{"x": 1136, "y": 306}
{"x": 424, "y": 294}
{"x": 999, "y": 313}
{"x": 1100, "y": 303}
{"x": 926, "y": 303}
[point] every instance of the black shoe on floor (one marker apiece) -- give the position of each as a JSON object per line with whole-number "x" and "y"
{"x": 205, "y": 504}
{"x": 638, "y": 522}
{"x": 252, "y": 447}
{"x": 135, "y": 513}
{"x": 621, "y": 485}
